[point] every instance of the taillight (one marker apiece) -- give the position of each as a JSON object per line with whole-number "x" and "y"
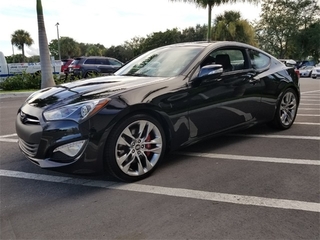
{"x": 297, "y": 72}
{"x": 76, "y": 67}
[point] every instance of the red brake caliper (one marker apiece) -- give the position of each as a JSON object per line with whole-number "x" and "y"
{"x": 148, "y": 146}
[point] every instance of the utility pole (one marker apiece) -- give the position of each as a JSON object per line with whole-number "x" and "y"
{"x": 57, "y": 25}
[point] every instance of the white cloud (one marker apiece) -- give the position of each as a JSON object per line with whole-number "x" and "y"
{"x": 104, "y": 21}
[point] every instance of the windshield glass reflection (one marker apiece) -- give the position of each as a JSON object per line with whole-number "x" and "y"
{"x": 163, "y": 62}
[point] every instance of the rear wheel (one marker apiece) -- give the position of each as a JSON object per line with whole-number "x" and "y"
{"x": 135, "y": 148}
{"x": 286, "y": 110}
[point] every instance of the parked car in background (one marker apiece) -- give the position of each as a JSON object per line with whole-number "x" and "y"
{"x": 288, "y": 62}
{"x": 165, "y": 99}
{"x": 305, "y": 63}
{"x": 315, "y": 71}
{"x": 291, "y": 63}
{"x": 65, "y": 65}
{"x": 305, "y": 71}
{"x": 83, "y": 67}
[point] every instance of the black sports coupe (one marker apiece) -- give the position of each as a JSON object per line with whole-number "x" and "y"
{"x": 165, "y": 99}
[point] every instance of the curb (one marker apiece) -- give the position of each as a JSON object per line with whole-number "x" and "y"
{"x": 15, "y": 94}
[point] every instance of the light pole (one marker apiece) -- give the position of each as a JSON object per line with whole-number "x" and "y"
{"x": 57, "y": 25}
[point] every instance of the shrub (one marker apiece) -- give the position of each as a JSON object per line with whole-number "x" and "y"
{"x": 13, "y": 83}
{"x": 27, "y": 81}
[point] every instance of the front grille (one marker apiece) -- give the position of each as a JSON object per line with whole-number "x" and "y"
{"x": 28, "y": 148}
{"x": 29, "y": 119}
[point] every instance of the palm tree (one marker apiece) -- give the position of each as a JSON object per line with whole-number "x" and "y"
{"x": 230, "y": 27}
{"x": 210, "y": 4}
{"x": 46, "y": 67}
{"x": 20, "y": 38}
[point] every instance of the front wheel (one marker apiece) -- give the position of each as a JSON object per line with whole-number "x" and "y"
{"x": 135, "y": 148}
{"x": 286, "y": 110}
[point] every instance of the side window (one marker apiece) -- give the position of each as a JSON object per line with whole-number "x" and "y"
{"x": 115, "y": 63}
{"x": 103, "y": 61}
{"x": 90, "y": 61}
{"x": 230, "y": 59}
{"x": 259, "y": 60}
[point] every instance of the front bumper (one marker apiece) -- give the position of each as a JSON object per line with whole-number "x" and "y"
{"x": 39, "y": 140}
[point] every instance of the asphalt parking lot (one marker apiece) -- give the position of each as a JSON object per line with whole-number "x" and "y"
{"x": 255, "y": 184}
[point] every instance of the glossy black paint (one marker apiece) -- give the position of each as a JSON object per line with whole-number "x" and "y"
{"x": 190, "y": 108}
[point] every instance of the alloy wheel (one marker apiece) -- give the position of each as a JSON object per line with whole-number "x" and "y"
{"x": 138, "y": 148}
{"x": 288, "y": 108}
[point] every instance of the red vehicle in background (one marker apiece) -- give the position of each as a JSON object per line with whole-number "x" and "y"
{"x": 65, "y": 65}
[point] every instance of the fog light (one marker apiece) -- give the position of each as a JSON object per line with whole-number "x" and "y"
{"x": 70, "y": 149}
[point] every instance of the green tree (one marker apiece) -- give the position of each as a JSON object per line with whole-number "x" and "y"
{"x": 20, "y": 38}
{"x": 230, "y": 27}
{"x": 158, "y": 39}
{"x": 69, "y": 47}
{"x": 192, "y": 34}
{"x": 95, "y": 50}
{"x": 308, "y": 40}
{"x": 210, "y": 4}
{"x": 46, "y": 68}
{"x": 280, "y": 23}
{"x": 53, "y": 48}
{"x": 15, "y": 58}
{"x": 135, "y": 45}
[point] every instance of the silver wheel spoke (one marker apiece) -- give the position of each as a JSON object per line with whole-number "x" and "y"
{"x": 154, "y": 150}
{"x": 122, "y": 141}
{"x": 123, "y": 158}
{"x": 128, "y": 133}
{"x": 126, "y": 167}
{"x": 140, "y": 167}
{"x": 142, "y": 125}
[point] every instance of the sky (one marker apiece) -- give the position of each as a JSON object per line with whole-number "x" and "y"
{"x": 106, "y": 22}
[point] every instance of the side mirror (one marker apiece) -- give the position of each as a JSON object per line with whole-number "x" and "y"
{"x": 211, "y": 70}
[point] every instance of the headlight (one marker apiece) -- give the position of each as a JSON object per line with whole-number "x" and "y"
{"x": 77, "y": 111}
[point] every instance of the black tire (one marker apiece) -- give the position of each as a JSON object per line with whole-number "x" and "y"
{"x": 135, "y": 148}
{"x": 286, "y": 111}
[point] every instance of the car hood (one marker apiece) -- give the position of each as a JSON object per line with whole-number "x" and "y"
{"x": 88, "y": 89}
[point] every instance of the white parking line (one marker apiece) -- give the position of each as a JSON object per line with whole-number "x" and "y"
{"x": 315, "y": 91}
{"x": 251, "y": 158}
{"x": 311, "y": 109}
{"x": 8, "y": 140}
{"x": 307, "y": 123}
{"x": 309, "y": 115}
{"x": 9, "y": 135}
{"x": 276, "y": 136}
{"x": 174, "y": 192}
{"x": 311, "y": 104}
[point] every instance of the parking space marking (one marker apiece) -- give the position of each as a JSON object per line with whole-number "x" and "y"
{"x": 173, "y": 192}
{"x": 307, "y": 123}
{"x": 9, "y": 135}
{"x": 309, "y": 115}
{"x": 314, "y": 91}
{"x": 251, "y": 158}
{"x": 309, "y": 109}
{"x": 311, "y": 104}
{"x": 5, "y": 138}
{"x": 8, "y": 140}
{"x": 276, "y": 136}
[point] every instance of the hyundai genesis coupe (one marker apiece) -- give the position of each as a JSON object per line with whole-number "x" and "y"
{"x": 165, "y": 99}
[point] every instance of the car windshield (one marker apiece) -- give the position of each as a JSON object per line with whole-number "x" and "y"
{"x": 161, "y": 62}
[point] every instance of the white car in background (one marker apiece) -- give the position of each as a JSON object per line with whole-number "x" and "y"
{"x": 305, "y": 71}
{"x": 315, "y": 71}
